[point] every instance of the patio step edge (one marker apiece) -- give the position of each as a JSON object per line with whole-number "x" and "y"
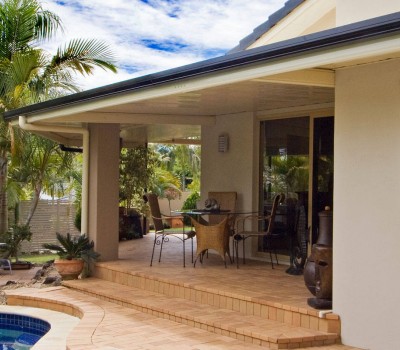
{"x": 295, "y": 316}
{"x": 248, "y": 328}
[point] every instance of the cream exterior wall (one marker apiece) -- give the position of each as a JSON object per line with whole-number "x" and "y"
{"x": 349, "y": 11}
{"x": 104, "y": 189}
{"x": 366, "y": 242}
{"x": 237, "y": 169}
{"x": 310, "y": 17}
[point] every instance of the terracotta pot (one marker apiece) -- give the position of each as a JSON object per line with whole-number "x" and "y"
{"x": 69, "y": 269}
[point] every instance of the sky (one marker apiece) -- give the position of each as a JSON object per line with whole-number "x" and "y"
{"x": 149, "y": 36}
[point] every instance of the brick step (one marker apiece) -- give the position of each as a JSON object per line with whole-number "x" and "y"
{"x": 223, "y": 299}
{"x": 238, "y": 325}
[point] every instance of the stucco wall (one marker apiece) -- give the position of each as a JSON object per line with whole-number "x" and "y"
{"x": 237, "y": 169}
{"x": 358, "y": 10}
{"x": 103, "y": 189}
{"x": 367, "y": 201}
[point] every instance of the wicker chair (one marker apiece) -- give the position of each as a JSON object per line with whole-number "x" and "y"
{"x": 161, "y": 235}
{"x": 226, "y": 201}
{"x": 265, "y": 226}
{"x": 215, "y": 237}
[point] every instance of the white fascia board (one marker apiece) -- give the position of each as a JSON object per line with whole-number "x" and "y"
{"x": 332, "y": 55}
{"x": 308, "y": 77}
{"x": 141, "y": 118}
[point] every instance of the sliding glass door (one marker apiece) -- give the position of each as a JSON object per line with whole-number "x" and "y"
{"x": 284, "y": 169}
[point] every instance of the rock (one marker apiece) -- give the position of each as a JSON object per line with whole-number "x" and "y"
{"x": 50, "y": 279}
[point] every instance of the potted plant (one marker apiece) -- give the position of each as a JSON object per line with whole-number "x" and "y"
{"x": 75, "y": 253}
{"x": 11, "y": 246}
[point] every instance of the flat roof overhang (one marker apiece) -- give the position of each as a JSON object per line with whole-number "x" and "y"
{"x": 172, "y": 105}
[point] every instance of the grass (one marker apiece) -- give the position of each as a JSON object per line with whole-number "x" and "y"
{"x": 37, "y": 258}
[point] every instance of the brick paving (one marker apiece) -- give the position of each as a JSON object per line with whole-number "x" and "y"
{"x": 111, "y": 326}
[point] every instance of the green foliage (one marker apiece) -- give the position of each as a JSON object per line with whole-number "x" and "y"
{"x": 42, "y": 168}
{"x": 183, "y": 161}
{"x": 190, "y": 202}
{"x": 70, "y": 247}
{"x": 14, "y": 238}
{"x": 29, "y": 74}
{"x": 137, "y": 167}
{"x": 78, "y": 219}
{"x": 75, "y": 248}
{"x": 38, "y": 258}
{"x": 287, "y": 174}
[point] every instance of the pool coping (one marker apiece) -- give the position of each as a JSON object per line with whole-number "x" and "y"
{"x": 59, "y": 299}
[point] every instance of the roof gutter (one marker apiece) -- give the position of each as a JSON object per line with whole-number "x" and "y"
{"x": 344, "y": 35}
{"x": 23, "y": 124}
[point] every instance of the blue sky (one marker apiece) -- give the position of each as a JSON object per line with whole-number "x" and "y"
{"x": 153, "y": 35}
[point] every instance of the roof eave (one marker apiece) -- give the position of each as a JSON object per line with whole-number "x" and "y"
{"x": 345, "y": 35}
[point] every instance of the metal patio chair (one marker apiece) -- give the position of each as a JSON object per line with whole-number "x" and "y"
{"x": 264, "y": 228}
{"x": 162, "y": 235}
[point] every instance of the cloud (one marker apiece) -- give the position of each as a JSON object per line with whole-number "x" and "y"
{"x": 153, "y": 35}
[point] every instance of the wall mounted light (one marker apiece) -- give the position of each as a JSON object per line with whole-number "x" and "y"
{"x": 223, "y": 143}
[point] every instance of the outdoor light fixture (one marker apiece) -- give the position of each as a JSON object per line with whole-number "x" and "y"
{"x": 223, "y": 143}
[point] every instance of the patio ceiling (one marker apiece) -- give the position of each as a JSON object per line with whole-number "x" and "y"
{"x": 175, "y": 118}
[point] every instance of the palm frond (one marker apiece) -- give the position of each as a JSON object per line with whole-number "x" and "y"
{"x": 82, "y": 55}
{"x": 24, "y": 22}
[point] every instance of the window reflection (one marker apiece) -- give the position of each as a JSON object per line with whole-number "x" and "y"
{"x": 285, "y": 169}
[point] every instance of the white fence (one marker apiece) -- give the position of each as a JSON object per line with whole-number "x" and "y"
{"x": 51, "y": 216}
{"x": 58, "y": 215}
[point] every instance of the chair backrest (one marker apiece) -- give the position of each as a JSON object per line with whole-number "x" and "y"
{"x": 226, "y": 201}
{"x": 155, "y": 211}
{"x": 277, "y": 199}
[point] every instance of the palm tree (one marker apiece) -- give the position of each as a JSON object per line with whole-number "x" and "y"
{"x": 43, "y": 168}
{"x": 29, "y": 75}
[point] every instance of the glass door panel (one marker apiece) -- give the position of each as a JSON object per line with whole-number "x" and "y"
{"x": 285, "y": 169}
{"x": 322, "y": 195}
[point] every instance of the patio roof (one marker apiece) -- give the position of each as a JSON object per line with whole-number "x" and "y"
{"x": 173, "y": 105}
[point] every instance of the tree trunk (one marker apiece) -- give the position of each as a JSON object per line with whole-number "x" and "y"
{"x": 3, "y": 195}
{"x": 34, "y": 204}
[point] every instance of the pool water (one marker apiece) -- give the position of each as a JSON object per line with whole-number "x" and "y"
{"x": 19, "y": 332}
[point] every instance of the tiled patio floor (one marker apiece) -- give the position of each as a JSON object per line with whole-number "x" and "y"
{"x": 110, "y": 326}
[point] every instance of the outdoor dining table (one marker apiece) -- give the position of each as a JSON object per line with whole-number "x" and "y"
{"x": 224, "y": 232}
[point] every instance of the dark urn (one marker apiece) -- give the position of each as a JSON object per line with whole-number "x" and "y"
{"x": 318, "y": 269}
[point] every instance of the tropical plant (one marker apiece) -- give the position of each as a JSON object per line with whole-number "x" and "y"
{"x": 183, "y": 161}
{"x": 190, "y": 203}
{"x": 73, "y": 248}
{"x": 70, "y": 247}
{"x": 166, "y": 185}
{"x": 187, "y": 163}
{"x": 29, "y": 75}
{"x": 14, "y": 238}
{"x": 43, "y": 167}
{"x": 137, "y": 167}
{"x": 287, "y": 174}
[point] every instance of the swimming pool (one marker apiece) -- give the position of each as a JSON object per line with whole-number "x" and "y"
{"x": 20, "y": 332}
